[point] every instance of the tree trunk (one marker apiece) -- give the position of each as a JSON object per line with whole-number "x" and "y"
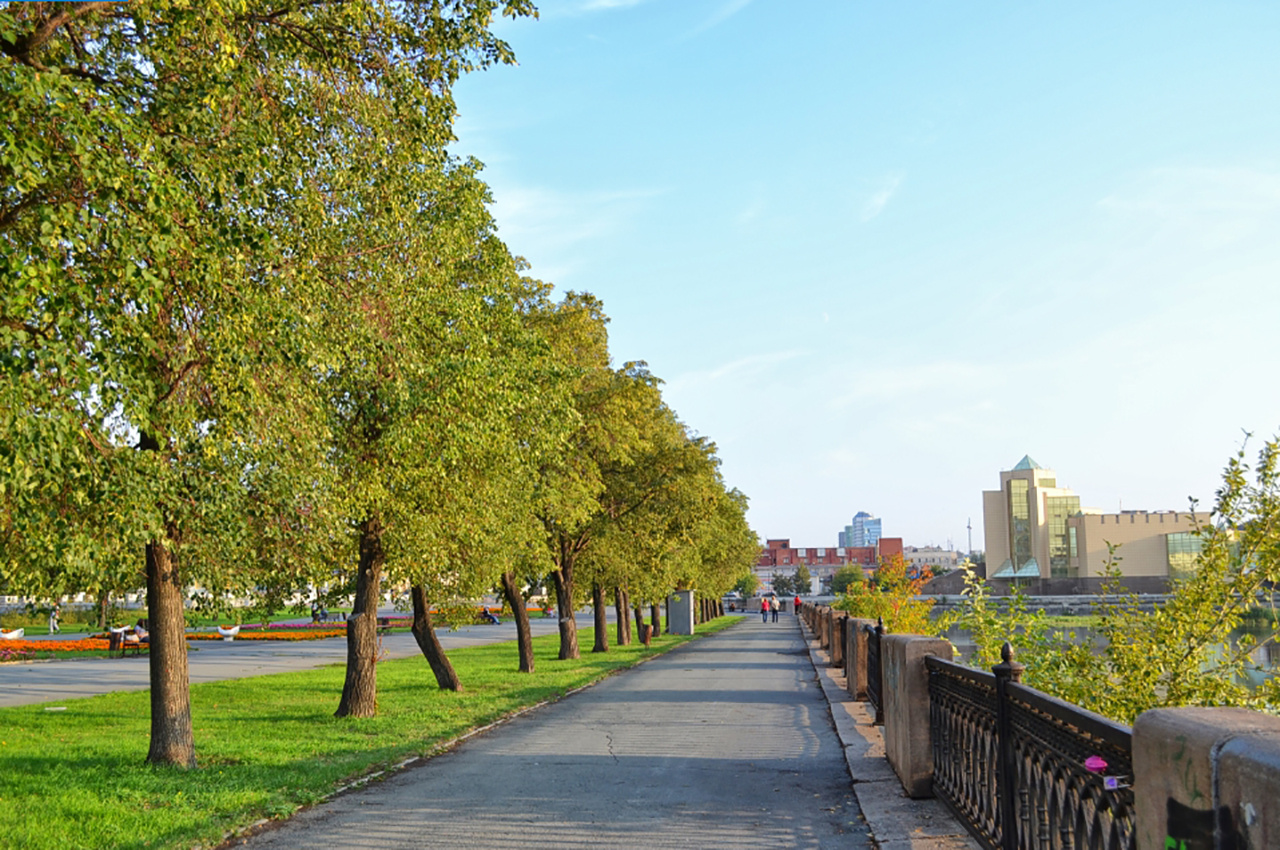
{"x": 360, "y": 690}
{"x": 639, "y": 611}
{"x": 620, "y": 610}
{"x": 600, "y": 613}
{"x": 104, "y": 605}
{"x": 524, "y": 638}
{"x": 655, "y": 619}
{"x": 172, "y": 740}
{"x": 425, "y": 634}
{"x": 563, "y": 578}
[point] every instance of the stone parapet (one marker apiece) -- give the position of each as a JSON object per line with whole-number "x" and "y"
{"x": 836, "y": 650}
{"x": 1206, "y": 778}
{"x": 856, "y": 660}
{"x": 907, "y": 739}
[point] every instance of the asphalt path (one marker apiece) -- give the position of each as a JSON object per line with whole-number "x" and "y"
{"x": 723, "y": 742}
{"x": 214, "y": 660}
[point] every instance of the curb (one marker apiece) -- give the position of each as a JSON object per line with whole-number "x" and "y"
{"x": 896, "y": 821}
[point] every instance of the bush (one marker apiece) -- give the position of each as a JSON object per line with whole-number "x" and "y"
{"x": 894, "y": 596}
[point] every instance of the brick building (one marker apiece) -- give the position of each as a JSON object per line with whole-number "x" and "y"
{"x": 779, "y": 556}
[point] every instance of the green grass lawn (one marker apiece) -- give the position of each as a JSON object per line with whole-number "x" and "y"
{"x": 265, "y": 745}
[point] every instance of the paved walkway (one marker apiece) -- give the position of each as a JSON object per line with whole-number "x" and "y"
{"x": 723, "y": 742}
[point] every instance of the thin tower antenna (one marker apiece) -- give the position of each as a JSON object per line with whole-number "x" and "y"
{"x": 969, "y": 525}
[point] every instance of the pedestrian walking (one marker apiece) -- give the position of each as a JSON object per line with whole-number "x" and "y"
{"x": 764, "y": 610}
{"x": 796, "y": 610}
{"x": 55, "y": 615}
{"x": 773, "y": 608}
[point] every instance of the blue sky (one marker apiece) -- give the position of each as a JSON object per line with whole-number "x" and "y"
{"x": 880, "y": 251}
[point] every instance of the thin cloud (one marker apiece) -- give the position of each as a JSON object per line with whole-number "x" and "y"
{"x": 1176, "y": 192}
{"x": 550, "y": 228}
{"x": 1206, "y": 207}
{"x": 881, "y": 197}
{"x": 751, "y": 212}
{"x": 726, "y": 11}
{"x": 608, "y": 5}
{"x": 750, "y": 365}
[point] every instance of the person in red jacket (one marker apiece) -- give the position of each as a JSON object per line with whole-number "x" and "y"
{"x": 764, "y": 609}
{"x": 797, "y": 608}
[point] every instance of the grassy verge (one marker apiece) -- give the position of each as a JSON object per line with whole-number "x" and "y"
{"x": 266, "y": 745}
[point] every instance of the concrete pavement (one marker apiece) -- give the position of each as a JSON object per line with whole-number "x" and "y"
{"x": 723, "y": 742}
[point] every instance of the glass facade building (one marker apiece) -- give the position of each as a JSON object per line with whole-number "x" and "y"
{"x": 864, "y": 531}
{"x": 1036, "y": 529}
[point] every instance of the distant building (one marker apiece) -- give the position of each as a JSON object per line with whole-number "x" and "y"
{"x": 863, "y": 531}
{"x": 779, "y": 556}
{"x": 933, "y": 557}
{"x": 1035, "y": 529}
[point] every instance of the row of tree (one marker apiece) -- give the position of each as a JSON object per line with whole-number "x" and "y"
{"x": 258, "y": 329}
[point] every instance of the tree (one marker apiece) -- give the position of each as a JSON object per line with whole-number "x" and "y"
{"x": 802, "y": 582}
{"x": 847, "y": 575}
{"x": 747, "y": 584}
{"x": 607, "y": 403}
{"x": 782, "y": 584}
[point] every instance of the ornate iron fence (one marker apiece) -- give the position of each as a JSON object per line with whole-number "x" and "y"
{"x": 875, "y": 691}
{"x": 962, "y": 723}
{"x": 1022, "y": 769}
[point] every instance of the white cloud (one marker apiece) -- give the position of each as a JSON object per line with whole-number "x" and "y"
{"x": 880, "y": 198}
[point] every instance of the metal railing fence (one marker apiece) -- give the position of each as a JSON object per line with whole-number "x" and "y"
{"x": 875, "y": 678}
{"x": 1024, "y": 770}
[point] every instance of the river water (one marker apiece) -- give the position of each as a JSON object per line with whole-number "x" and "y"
{"x": 1265, "y": 657}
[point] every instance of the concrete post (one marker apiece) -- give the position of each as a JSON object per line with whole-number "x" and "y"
{"x": 1206, "y": 778}
{"x": 824, "y": 627}
{"x": 680, "y": 613}
{"x": 848, "y": 654}
{"x": 837, "y": 638}
{"x": 857, "y": 664}
{"x": 907, "y": 741}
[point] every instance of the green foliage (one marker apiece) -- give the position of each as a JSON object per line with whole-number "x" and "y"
{"x": 802, "y": 581}
{"x": 846, "y": 577}
{"x": 747, "y": 584}
{"x": 991, "y": 624}
{"x": 782, "y": 584}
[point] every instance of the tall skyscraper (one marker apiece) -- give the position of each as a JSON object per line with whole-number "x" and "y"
{"x": 865, "y": 531}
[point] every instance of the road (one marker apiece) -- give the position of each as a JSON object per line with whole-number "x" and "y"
{"x": 210, "y": 661}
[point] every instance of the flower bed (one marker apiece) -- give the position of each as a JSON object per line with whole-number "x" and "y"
{"x": 88, "y": 644}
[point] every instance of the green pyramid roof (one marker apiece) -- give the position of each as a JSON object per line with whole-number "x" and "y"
{"x": 1027, "y": 463}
